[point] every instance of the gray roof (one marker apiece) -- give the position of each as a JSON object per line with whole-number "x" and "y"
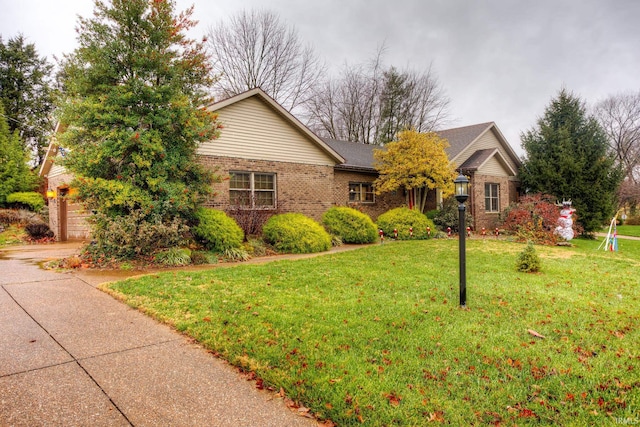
{"x": 477, "y": 159}
{"x": 358, "y": 156}
{"x": 460, "y": 138}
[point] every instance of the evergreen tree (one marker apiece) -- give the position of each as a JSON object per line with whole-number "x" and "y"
{"x": 27, "y": 95}
{"x": 567, "y": 157}
{"x": 15, "y": 175}
{"x": 394, "y": 116}
{"x": 134, "y": 116}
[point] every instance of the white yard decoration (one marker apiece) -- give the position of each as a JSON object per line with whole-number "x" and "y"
{"x": 565, "y": 222}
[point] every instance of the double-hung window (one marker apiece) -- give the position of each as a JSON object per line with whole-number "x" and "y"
{"x": 361, "y": 192}
{"x": 252, "y": 190}
{"x": 491, "y": 197}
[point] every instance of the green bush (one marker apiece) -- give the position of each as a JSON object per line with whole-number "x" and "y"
{"x": 449, "y": 215}
{"x": 217, "y": 231}
{"x": 432, "y": 214}
{"x": 203, "y": 257}
{"x": 134, "y": 235}
{"x": 402, "y": 219}
{"x": 528, "y": 260}
{"x": 26, "y": 200}
{"x": 296, "y": 233}
{"x": 174, "y": 257}
{"x": 350, "y": 225}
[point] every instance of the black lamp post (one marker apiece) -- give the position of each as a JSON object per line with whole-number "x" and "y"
{"x": 462, "y": 194}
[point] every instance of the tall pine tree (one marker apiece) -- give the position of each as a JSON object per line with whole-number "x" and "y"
{"x": 15, "y": 175}
{"x": 134, "y": 113}
{"x": 27, "y": 95}
{"x": 567, "y": 157}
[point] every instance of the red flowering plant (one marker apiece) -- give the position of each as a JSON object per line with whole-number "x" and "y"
{"x": 534, "y": 218}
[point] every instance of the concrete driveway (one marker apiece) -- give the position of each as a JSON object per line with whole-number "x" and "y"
{"x": 71, "y": 355}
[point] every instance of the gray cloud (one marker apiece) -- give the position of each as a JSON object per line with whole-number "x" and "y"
{"x": 499, "y": 60}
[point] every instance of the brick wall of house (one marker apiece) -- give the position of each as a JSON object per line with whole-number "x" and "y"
{"x": 383, "y": 202}
{"x": 303, "y": 188}
{"x": 489, "y": 220}
{"x": 77, "y": 226}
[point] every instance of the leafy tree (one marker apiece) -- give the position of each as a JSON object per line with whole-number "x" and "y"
{"x": 418, "y": 163}
{"x": 567, "y": 157}
{"x": 26, "y": 92}
{"x": 15, "y": 175}
{"x": 134, "y": 95}
{"x": 256, "y": 49}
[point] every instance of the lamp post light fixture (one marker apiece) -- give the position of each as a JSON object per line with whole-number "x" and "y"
{"x": 462, "y": 194}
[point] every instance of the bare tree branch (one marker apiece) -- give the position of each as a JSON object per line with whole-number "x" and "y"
{"x": 370, "y": 104}
{"x": 256, "y": 49}
{"x": 619, "y": 116}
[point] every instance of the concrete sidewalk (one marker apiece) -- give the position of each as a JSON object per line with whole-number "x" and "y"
{"x": 71, "y": 355}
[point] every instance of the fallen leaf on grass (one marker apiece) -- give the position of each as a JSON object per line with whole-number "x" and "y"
{"x": 394, "y": 399}
{"x": 535, "y": 334}
{"x": 437, "y": 416}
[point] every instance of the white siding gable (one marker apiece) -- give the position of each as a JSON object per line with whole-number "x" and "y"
{"x": 493, "y": 167}
{"x": 486, "y": 141}
{"x": 254, "y": 130}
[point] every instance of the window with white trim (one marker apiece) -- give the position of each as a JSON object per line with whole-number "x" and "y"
{"x": 491, "y": 197}
{"x": 252, "y": 190}
{"x": 361, "y": 192}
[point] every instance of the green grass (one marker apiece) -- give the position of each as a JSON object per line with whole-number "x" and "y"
{"x": 628, "y": 230}
{"x": 375, "y": 336}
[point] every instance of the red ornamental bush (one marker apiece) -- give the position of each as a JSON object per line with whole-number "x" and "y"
{"x": 534, "y": 218}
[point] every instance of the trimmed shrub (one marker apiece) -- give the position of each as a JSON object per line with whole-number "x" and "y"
{"x": 217, "y": 231}
{"x": 38, "y": 230}
{"x": 402, "y": 219}
{"x": 296, "y": 233}
{"x": 350, "y": 225}
{"x": 27, "y": 200}
{"x": 528, "y": 260}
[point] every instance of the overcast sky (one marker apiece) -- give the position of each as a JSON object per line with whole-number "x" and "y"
{"x": 497, "y": 60}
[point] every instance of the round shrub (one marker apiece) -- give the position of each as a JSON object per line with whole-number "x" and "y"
{"x": 26, "y": 200}
{"x": 217, "y": 231}
{"x": 296, "y": 233}
{"x": 402, "y": 219}
{"x": 351, "y": 225}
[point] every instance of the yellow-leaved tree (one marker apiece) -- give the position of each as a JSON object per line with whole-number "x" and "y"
{"x": 416, "y": 162}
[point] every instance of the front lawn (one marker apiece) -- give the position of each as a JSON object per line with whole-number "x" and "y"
{"x": 375, "y": 335}
{"x": 628, "y": 230}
